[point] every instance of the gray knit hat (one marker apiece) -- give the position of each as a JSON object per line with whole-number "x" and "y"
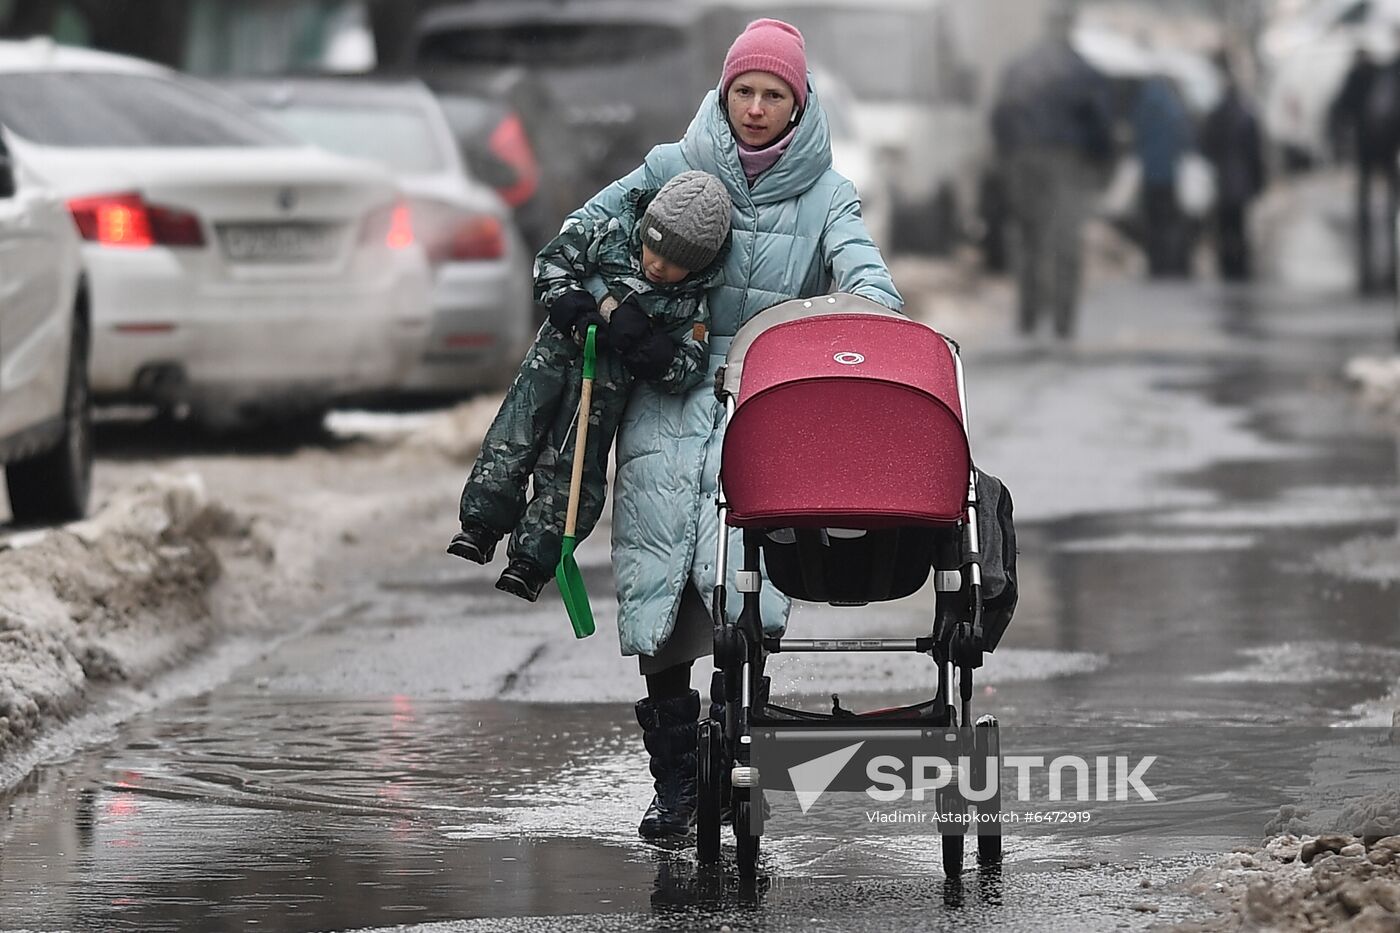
{"x": 688, "y": 220}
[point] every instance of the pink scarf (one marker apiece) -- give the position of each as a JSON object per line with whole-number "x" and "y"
{"x": 757, "y": 161}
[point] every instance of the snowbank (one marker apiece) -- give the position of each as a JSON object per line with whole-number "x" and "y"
{"x": 1335, "y": 881}
{"x": 454, "y": 434}
{"x": 115, "y": 599}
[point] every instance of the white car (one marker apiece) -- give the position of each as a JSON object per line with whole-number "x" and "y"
{"x": 231, "y": 268}
{"x": 483, "y": 306}
{"x": 1305, "y": 59}
{"x": 45, "y": 410}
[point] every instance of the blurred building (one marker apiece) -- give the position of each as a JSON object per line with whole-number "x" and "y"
{"x": 216, "y": 36}
{"x": 270, "y": 36}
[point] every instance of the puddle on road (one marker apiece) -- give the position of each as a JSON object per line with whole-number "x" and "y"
{"x": 295, "y": 808}
{"x": 311, "y": 813}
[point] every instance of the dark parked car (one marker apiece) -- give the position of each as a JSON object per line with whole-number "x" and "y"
{"x": 497, "y": 147}
{"x": 597, "y": 82}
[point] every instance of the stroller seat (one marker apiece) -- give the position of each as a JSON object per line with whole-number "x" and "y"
{"x": 846, "y": 448}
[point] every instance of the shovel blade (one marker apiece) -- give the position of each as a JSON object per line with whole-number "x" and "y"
{"x": 570, "y": 580}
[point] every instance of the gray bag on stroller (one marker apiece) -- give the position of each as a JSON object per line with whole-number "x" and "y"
{"x": 997, "y": 538}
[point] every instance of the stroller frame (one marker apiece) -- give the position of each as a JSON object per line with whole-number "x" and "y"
{"x": 729, "y": 787}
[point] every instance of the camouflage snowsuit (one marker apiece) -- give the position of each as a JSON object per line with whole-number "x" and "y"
{"x": 532, "y": 436}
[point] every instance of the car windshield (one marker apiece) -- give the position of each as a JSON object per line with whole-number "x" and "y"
{"x": 105, "y": 109}
{"x": 553, "y": 44}
{"x": 399, "y": 137}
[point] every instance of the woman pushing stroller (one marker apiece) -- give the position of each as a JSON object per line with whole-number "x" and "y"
{"x": 797, "y": 233}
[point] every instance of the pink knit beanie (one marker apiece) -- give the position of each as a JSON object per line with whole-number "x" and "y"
{"x": 773, "y": 46}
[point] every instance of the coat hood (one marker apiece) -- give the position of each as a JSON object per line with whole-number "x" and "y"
{"x": 710, "y": 145}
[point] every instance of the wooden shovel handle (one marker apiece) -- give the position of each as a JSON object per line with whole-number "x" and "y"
{"x": 585, "y": 402}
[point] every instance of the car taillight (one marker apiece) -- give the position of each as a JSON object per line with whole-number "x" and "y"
{"x": 509, "y": 143}
{"x": 126, "y": 220}
{"x": 400, "y": 235}
{"x": 391, "y": 226}
{"x": 479, "y": 237}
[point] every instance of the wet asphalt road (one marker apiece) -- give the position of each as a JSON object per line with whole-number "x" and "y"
{"x": 436, "y": 753}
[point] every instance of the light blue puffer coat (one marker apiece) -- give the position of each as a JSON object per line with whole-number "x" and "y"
{"x": 796, "y": 233}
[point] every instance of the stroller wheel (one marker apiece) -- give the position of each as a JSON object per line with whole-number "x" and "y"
{"x": 709, "y": 791}
{"x": 745, "y": 843}
{"x": 952, "y": 854}
{"x": 987, "y": 746}
{"x": 953, "y": 811}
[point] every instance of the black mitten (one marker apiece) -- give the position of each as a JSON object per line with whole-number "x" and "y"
{"x": 651, "y": 356}
{"x": 603, "y": 338}
{"x": 568, "y": 307}
{"x": 629, "y": 326}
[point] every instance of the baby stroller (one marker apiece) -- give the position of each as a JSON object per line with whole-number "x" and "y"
{"x": 846, "y": 465}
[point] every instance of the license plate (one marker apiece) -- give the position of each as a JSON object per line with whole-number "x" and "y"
{"x": 280, "y": 242}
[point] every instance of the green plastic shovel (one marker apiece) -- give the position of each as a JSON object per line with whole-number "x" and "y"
{"x": 567, "y": 574}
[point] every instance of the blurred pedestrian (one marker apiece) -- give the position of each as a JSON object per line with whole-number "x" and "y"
{"x": 640, "y": 275}
{"x": 992, "y": 211}
{"x": 1346, "y": 116}
{"x": 1364, "y": 120}
{"x": 1054, "y": 137}
{"x": 1161, "y": 136}
{"x": 797, "y": 233}
{"x": 1231, "y": 139}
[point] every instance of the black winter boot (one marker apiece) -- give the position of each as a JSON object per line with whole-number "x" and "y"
{"x": 475, "y": 543}
{"x": 668, "y": 731}
{"x": 523, "y": 578}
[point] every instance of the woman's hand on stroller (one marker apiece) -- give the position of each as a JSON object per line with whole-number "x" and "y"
{"x": 645, "y": 351}
{"x": 573, "y": 312}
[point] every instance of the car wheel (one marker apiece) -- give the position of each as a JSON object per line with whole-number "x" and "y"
{"x": 54, "y": 486}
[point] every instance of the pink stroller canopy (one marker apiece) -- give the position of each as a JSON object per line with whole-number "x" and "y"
{"x": 847, "y": 416}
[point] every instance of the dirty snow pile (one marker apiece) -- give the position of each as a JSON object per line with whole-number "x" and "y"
{"x": 114, "y": 599}
{"x": 1378, "y": 379}
{"x": 453, "y": 435}
{"x": 1335, "y": 881}
{"x": 1347, "y": 878}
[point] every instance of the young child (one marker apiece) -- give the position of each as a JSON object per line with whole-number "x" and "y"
{"x": 641, "y": 278}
